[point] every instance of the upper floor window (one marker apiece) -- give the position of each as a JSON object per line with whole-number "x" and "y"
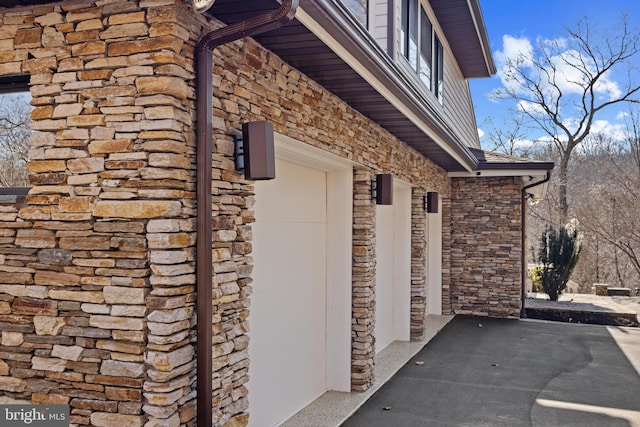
{"x": 359, "y": 8}
{"x": 421, "y": 47}
{"x": 15, "y": 130}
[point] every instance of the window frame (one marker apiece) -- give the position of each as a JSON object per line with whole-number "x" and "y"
{"x": 14, "y": 84}
{"x": 412, "y": 15}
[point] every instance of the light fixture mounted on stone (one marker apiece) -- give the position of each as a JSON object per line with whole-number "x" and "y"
{"x": 382, "y": 189}
{"x": 255, "y": 152}
{"x": 431, "y": 202}
{"x": 202, "y": 6}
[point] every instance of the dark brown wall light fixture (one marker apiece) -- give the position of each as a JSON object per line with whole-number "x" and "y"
{"x": 431, "y": 202}
{"x": 382, "y": 189}
{"x": 255, "y": 152}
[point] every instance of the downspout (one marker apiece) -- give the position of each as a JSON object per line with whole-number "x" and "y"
{"x": 523, "y": 237}
{"x": 204, "y": 151}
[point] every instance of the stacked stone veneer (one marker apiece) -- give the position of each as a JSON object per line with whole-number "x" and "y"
{"x": 364, "y": 282}
{"x": 98, "y": 288}
{"x": 446, "y": 256}
{"x": 486, "y": 249}
{"x": 418, "y": 265}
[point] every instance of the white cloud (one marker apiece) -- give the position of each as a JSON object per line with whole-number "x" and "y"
{"x": 480, "y": 133}
{"x": 514, "y": 51}
{"x": 608, "y": 88}
{"x": 570, "y": 75}
{"x": 569, "y": 65}
{"x": 622, "y": 115}
{"x": 524, "y": 144}
{"x": 616, "y": 131}
{"x": 558, "y": 43}
{"x": 530, "y": 108}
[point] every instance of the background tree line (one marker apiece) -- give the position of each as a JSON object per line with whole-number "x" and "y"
{"x": 604, "y": 196}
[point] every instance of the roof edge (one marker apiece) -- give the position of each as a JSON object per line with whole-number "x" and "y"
{"x": 491, "y": 160}
{"x": 481, "y": 30}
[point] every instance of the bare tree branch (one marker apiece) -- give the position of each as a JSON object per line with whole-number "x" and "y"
{"x": 563, "y": 88}
{"x": 15, "y": 131}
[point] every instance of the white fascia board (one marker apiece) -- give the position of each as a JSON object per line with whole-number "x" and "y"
{"x": 317, "y": 29}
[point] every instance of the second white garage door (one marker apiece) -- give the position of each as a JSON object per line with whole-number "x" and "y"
{"x": 393, "y": 268}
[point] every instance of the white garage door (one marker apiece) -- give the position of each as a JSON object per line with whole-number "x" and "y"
{"x": 434, "y": 262}
{"x": 288, "y": 306}
{"x": 393, "y": 268}
{"x": 384, "y": 277}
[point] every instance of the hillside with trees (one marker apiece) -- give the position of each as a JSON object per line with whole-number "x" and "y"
{"x": 560, "y": 89}
{"x": 604, "y": 196}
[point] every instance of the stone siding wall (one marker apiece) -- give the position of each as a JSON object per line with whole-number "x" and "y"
{"x": 98, "y": 287}
{"x": 486, "y": 246}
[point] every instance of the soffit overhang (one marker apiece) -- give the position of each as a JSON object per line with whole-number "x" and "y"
{"x": 535, "y": 174}
{"x": 463, "y": 25}
{"x": 328, "y": 45}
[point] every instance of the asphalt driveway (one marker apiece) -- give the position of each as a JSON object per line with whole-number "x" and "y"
{"x": 494, "y": 372}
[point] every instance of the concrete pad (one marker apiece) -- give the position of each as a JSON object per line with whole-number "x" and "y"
{"x": 333, "y": 407}
{"x": 496, "y": 372}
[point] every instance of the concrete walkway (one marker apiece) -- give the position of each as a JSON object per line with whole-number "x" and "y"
{"x": 493, "y": 372}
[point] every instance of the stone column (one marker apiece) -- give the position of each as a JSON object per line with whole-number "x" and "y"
{"x": 418, "y": 264}
{"x": 104, "y": 248}
{"x": 446, "y": 256}
{"x": 486, "y": 246}
{"x": 364, "y": 282}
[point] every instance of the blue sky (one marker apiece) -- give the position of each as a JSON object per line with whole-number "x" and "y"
{"x": 534, "y": 19}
